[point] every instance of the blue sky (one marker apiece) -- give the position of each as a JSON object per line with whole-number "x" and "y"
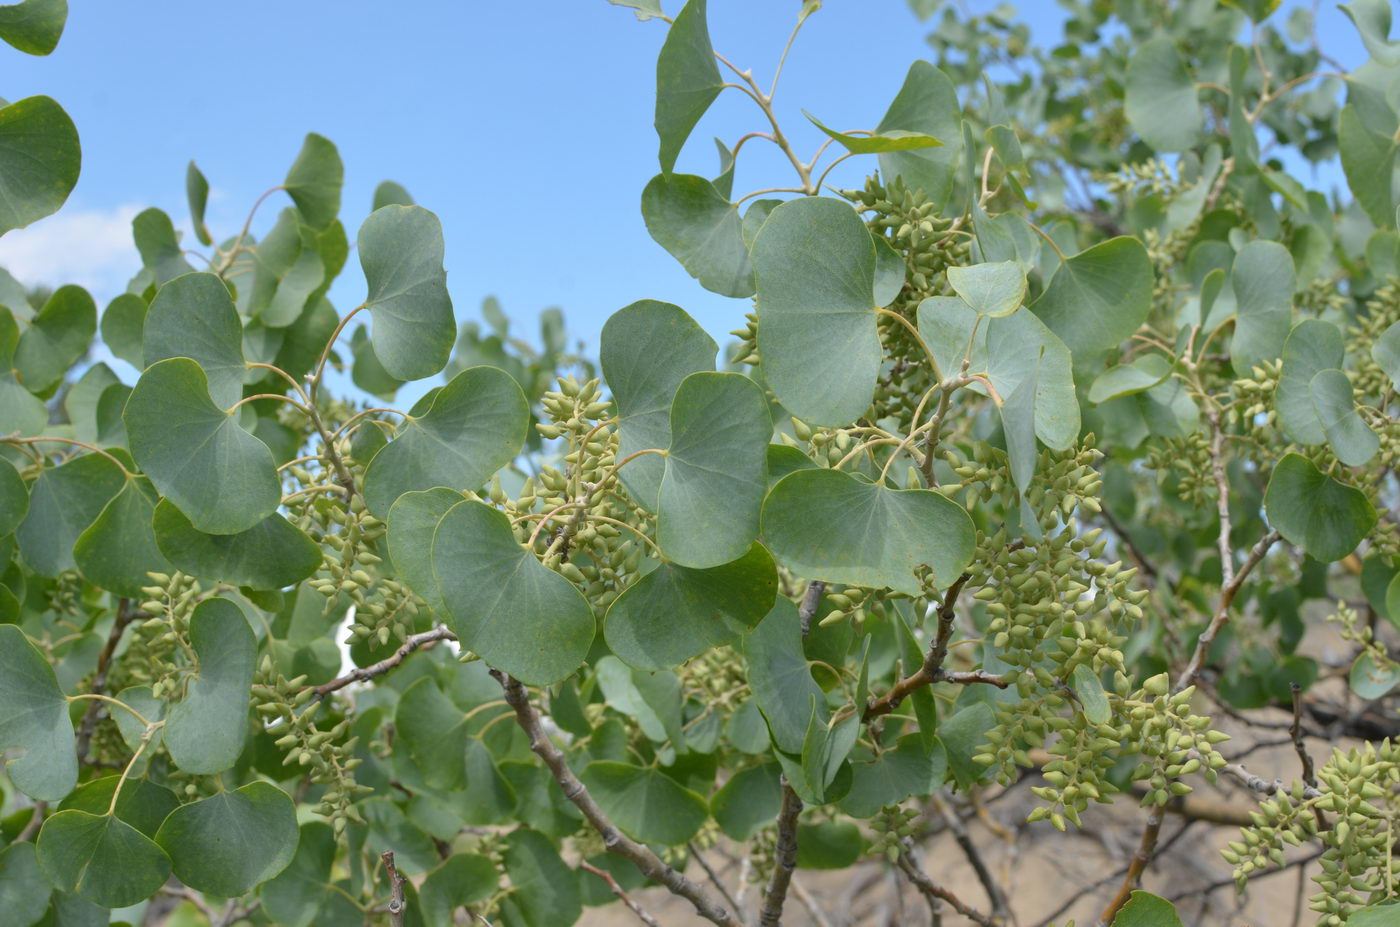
{"x": 526, "y": 127}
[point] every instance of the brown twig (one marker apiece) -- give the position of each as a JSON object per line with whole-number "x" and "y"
{"x": 811, "y": 598}
{"x": 620, "y": 893}
{"x": 932, "y": 890}
{"x": 771, "y": 913}
{"x": 1136, "y": 866}
{"x": 1093, "y": 887}
{"x": 366, "y": 673}
{"x": 125, "y": 616}
{"x": 715, "y": 880}
{"x": 1301, "y": 748}
{"x": 641, "y": 856}
{"x": 1144, "y": 564}
{"x": 397, "y": 905}
{"x": 995, "y": 894}
{"x": 1232, "y": 583}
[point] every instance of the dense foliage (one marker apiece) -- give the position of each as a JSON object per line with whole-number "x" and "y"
{"x": 1037, "y": 451}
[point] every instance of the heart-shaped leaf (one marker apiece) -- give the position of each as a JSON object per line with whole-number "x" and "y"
{"x": 1145, "y": 909}
{"x": 1160, "y": 96}
{"x": 14, "y": 498}
{"x": 1386, "y": 353}
{"x": 204, "y": 731}
{"x": 826, "y": 524}
{"x": 119, "y": 548}
{"x": 435, "y": 732}
{"x": 716, "y": 470}
{"x": 33, "y": 26}
{"x": 644, "y": 803}
{"x": 297, "y": 894}
{"x": 475, "y": 425}
{"x": 993, "y": 289}
{"x": 315, "y": 179}
{"x": 1312, "y": 346}
{"x": 782, "y": 682}
{"x": 1262, "y": 279}
{"x": 1368, "y": 159}
{"x": 159, "y": 245}
{"x": 1099, "y": 297}
{"x": 462, "y": 879}
{"x": 233, "y": 841}
{"x": 123, "y": 328}
{"x": 101, "y": 857}
{"x": 140, "y": 803}
{"x": 516, "y": 613}
{"x": 34, "y": 719}
{"x": 273, "y": 554}
{"x": 927, "y": 104}
{"x": 23, "y": 889}
{"x": 814, "y": 270}
{"x": 1309, "y": 508}
{"x": 57, "y": 337}
{"x": 544, "y": 891}
{"x": 675, "y": 613}
{"x": 687, "y": 80}
{"x": 646, "y": 350}
{"x": 699, "y": 227}
{"x": 401, "y": 252}
{"x": 63, "y": 502}
{"x": 412, "y": 522}
{"x": 1351, "y": 439}
{"x": 197, "y": 455}
{"x": 39, "y": 160}
{"x": 193, "y": 316}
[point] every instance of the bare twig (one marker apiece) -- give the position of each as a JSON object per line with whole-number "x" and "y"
{"x": 995, "y": 894}
{"x": 1233, "y": 581}
{"x": 641, "y": 856}
{"x": 809, "y": 902}
{"x": 126, "y": 614}
{"x": 621, "y": 894}
{"x": 1144, "y": 564}
{"x": 714, "y": 876}
{"x": 1090, "y": 889}
{"x": 397, "y": 904}
{"x": 366, "y": 673}
{"x": 811, "y": 598}
{"x": 1136, "y": 866}
{"x": 771, "y": 913}
{"x": 933, "y": 891}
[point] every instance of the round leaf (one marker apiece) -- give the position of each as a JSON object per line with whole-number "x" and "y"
{"x": 826, "y": 524}
{"x": 57, "y": 337}
{"x": 63, "y": 502}
{"x": 401, "y": 252}
{"x": 927, "y": 104}
{"x": 34, "y": 718}
{"x": 273, "y": 554}
{"x": 1310, "y": 509}
{"x": 699, "y": 227}
{"x": 193, "y": 316}
{"x": 204, "y": 731}
{"x": 1160, "y": 96}
{"x": 297, "y": 894}
{"x": 544, "y": 890}
{"x": 993, "y": 289}
{"x": 645, "y": 804}
{"x": 412, "y": 522}
{"x": 1351, "y": 439}
{"x": 687, "y": 80}
{"x": 1129, "y": 379}
{"x": 33, "y": 26}
{"x": 1312, "y": 346}
{"x": 1099, "y": 297}
{"x": 101, "y": 858}
{"x": 315, "y": 179}
{"x": 233, "y": 841}
{"x": 119, "y": 548}
{"x": 14, "y": 498}
{"x": 24, "y": 892}
{"x": 1262, "y": 278}
{"x": 39, "y": 160}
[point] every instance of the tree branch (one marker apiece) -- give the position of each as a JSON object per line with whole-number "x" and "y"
{"x": 1136, "y": 866}
{"x": 366, "y": 673}
{"x": 811, "y": 598}
{"x": 622, "y": 895}
{"x": 641, "y": 856}
{"x": 714, "y": 877}
{"x": 126, "y": 614}
{"x": 1000, "y": 909}
{"x": 1233, "y": 581}
{"x": 397, "y": 904}
{"x": 935, "y": 892}
{"x": 771, "y": 914}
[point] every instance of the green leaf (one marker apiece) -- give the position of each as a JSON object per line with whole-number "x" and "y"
{"x": 84, "y": 397}
{"x": 716, "y": 470}
{"x": 475, "y": 425}
{"x": 645, "y": 804}
{"x": 890, "y": 272}
{"x": 1371, "y": 678}
{"x": 159, "y": 245}
{"x": 20, "y": 410}
{"x": 197, "y": 455}
{"x": 781, "y": 680}
{"x": 1386, "y": 353}
{"x": 927, "y": 104}
{"x": 1380, "y": 915}
{"x": 273, "y": 554}
{"x": 826, "y": 524}
{"x": 287, "y": 270}
{"x": 141, "y": 803}
{"x": 1351, "y": 439}
{"x": 101, "y": 857}
{"x": 993, "y": 289}
{"x": 828, "y": 844}
{"x": 233, "y": 841}
{"x": 748, "y": 802}
{"x": 516, "y": 613}
{"x": 1312, "y": 346}
{"x": 543, "y": 889}
{"x": 139, "y": 699}
{"x": 412, "y": 521}
{"x": 367, "y": 372}
{"x": 1372, "y": 20}
{"x": 644, "y": 9}
{"x": 1310, "y": 509}
{"x": 435, "y": 733}
{"x": 401, "y": 252}
{"x": 123, "y": 328}
{"x": 463, "y": 879}
{"x": 197, "y": 193}
{"x": 57, "y": 337}
{"x": 962, "y": 735}
{"x": 1368, "y": 160}
{"x": 33, "y": 26}
{"x": 1145, "y": 909}
{"x": 1262, "y": 278}
{"x": 63, "y": 502}
{"x": 874, "y": 142}
{"x": 1099, "y": 297}
{"x": 1017, "y": 412}
{"x": 814, "y": 268}
{"x": 193, "y": 316}
{"x": 204, "y": 731}
{"x": 1129, "y": 379}
{"x": 34, "y": 719}
{"x": 909, "y": 769}
{"x": 698, "y": 226}
{"x": 119, "y": 548}
{"x": 295, "y": 896}
{"x": 675, "y": 613}
{"x": 39, "y": 160}
{"x": 687, "y": 80}
{"x": 390, "y": 193}
{"x": 1160, "y": 96}
{"x": 1257, "y": 11}
{"x": 14, "y": 498}
{"x": 314, "y": 181}
{"x": 24, "y": 892}
{"x": 1092, "y": 699}
{"x": 646, "y": 350}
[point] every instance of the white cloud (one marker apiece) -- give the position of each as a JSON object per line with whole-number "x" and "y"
{"x": 92, "y": 248}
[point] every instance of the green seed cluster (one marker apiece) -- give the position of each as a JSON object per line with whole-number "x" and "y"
{"x": 890, "y": 827}
{"x": 718, "y": 678}
{"x": 1173, "y": 740}
{"x": 158, "y": 642}
{"x": 1083, "y": 752}
{"x": 1358, "y": 789}
{"x": 914, "y": 228}
{"x": 1353, "y": 629}
{"x": 1184, "y": 467}
{"x": 291, "y": 708}
{"x": 1153, "y": 177}
{"x": 1382, "y": 310}
{"x": 1066, "y": 482}
{"x": 746, "y": 350}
